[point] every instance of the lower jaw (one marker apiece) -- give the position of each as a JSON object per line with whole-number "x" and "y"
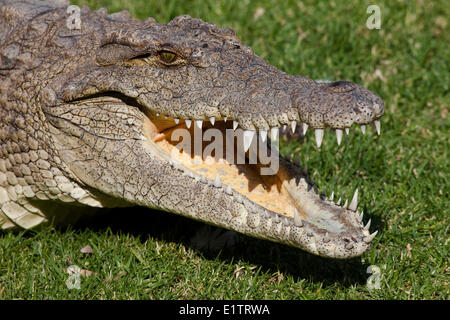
{"x": 283, "y": 206}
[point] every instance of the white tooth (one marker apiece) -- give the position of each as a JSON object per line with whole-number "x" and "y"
{"x": 248, "y": 137}
{"x": 297, "y": 220}
{"x": 339, "y": 202}
{"x": 203, "y": 179}
{"x": 274, "y": 133}
{"x": 354, "y": 204}
{"x": 319, "y": 136}
{"x": 191, "y": 175}
{"x": 293, "y": 125}
{"x": 157, "y": 114}
{"x": 369, "y": 238}
{"x": 188, "y": 123}
{"x": 305, "y": 128}
{"x": 176, "y": 120}
{"x": 217, "y": 182}
{"x": 284, "y": 127}
{"x": 228, "y": 190}
{"x": 339, "y": 136}
{"x": 212, "y": 120}
{"x": 199, "y": 123}
{"x": 361, "y": 216}
{"x": 263, "y": 134}
{"x": 345, "y": 204}
{"x": 165, "y": 117}
{"x": 347, "y": 130}
{"x": 235, "y": 124}
{"x": 378, "y": 126}
{"x": 225, "y": 119}
{"x": 363, "y": 128}
{"x": 332, "y": 196}
{"x": 367, "y": 226}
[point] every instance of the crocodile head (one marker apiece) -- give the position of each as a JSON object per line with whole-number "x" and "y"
{"x": 120, "y": 95}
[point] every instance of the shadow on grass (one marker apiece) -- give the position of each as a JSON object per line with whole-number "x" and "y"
{"x": 271, "y": 257}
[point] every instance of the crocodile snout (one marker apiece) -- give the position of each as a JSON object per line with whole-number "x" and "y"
{"x": 337, "y": 105}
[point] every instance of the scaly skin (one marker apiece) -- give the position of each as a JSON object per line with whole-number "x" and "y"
{"x": 86, "y": 115}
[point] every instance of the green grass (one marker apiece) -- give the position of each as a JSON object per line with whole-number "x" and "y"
{"x": 403, "y": 175}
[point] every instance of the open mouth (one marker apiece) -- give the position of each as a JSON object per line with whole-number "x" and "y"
{"x": 233, "y": 184}
{"x": 287, "y": 195}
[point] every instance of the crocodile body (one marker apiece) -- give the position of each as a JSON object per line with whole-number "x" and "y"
{"x": 88, "y": 115}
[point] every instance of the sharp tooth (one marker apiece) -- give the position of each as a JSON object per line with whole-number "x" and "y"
{"x": 235, "y": 124}
{"x": 228, "y": 190}
{"x": 339, "y": 136}
{"x": 199, "y": 123}
{"x": 305, "y": 128}
{"x": 274, "y": 133}
{"x": 176, "y": 120}
{"x": 332, "y": 196}
{"x": 284, "y": 127}
{"x": 378, "y": 126}
{"x": 217, "y": 182}
{"x": 363, "y": 128}
{"x": 297, "y": 220}
{"x": 347, "y": 130}
{"x": 263, "y": 134}
{"x": 367, "y": 226}
{"x": 212, "y": 120}
{"x": 369, "y": 238}
{"x": 319, "y": 136}
{"x": 361, "y": 216}
{"x": 345, "y": 204}
{"x": 293, "y": 125}
{"x": 225, "y": 119}
{"x": 326, "y": 239}
{"x": 188, "y": 123}
{"x": 354, "y": 204}
{"x": 191, "y": 175}
{"x": 339, "y": 202}
{"x": 203, "y": 179}
{"x": 248, "y": 137}
{"x": 239, "y": 199}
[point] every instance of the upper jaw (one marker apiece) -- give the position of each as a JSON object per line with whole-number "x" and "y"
{"x": 306, "y": 104}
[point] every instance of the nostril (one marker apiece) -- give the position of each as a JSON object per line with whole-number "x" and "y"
{"x": 340, "y": 86}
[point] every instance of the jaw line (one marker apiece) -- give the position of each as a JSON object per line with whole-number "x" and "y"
{"x": 319, "y": 215}
{"x": 325, "y": 228}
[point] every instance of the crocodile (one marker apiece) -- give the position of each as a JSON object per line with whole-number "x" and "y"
{"x": 91, "y": 104}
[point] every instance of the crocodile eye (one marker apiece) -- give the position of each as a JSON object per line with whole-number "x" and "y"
{"x": 167, "y": 56}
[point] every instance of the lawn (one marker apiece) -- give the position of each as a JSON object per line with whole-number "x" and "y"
{"x": 402, "y": 175}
